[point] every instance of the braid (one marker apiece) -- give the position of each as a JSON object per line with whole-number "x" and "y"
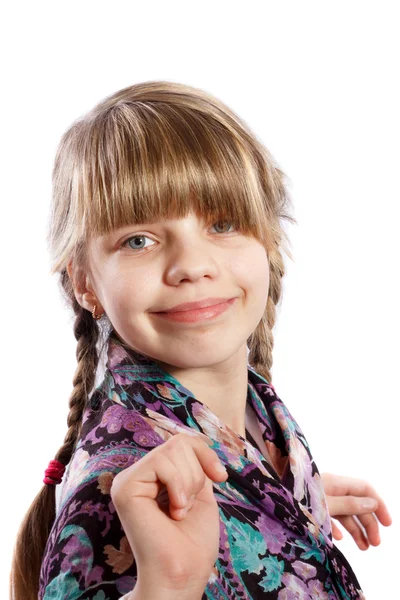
{"x": 261, "y": 342}
{"x": 86, "y": 333}
{"x": 31, "y": 541}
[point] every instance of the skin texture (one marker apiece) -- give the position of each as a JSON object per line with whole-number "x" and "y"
{"x": 358, "y": 507}
{"x": 186, "y": 260}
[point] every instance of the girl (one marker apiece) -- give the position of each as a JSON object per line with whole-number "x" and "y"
{"x": 187, "y": 476}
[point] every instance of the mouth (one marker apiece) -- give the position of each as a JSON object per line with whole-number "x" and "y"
{"x": 195, "y": 305}
{"x": 190, "y": 312}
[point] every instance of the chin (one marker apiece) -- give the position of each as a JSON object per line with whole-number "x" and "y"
{"x": 196, "y": 358}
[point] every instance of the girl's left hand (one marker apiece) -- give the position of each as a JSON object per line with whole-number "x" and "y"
{"x": 357, "y": 506}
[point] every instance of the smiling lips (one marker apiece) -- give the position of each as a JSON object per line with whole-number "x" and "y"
{"x": 190, "y": 312}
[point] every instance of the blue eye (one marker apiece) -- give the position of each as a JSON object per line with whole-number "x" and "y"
{"x": 223, "y": 227}
{"x": 138, "y": 242}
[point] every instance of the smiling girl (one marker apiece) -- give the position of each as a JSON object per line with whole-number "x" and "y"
{"x": 187, "y": 476}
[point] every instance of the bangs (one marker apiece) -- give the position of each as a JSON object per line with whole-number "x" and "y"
{"x": 161, "y": 150}
{"x": 147, "y": 162}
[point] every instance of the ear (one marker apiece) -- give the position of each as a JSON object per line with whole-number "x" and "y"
{"x": 83, "y": 288}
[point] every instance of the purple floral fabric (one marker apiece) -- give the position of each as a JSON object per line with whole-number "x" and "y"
{"x": 275, "y": 537}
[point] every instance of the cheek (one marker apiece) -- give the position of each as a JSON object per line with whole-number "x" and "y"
{"x": 128, "y": 292}
{"x": 251, "y": 272}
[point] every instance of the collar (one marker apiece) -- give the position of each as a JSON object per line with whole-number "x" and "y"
{"x": 136, "y": 381}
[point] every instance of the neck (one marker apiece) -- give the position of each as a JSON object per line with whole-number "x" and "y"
{"x": 221, "y": 387}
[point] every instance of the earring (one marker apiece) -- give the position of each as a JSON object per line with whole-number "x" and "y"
{"x": 96, "y": 317}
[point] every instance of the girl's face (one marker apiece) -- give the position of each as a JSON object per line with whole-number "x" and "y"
{"x": 181, "y": 291}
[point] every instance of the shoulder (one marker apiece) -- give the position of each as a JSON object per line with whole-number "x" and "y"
{"x": 87, "y": 545}
{"x": 114, "y": 435}
{"x": 87, "y": 553}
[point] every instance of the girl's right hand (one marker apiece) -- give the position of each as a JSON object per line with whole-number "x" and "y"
{"x": 174, "y": 549}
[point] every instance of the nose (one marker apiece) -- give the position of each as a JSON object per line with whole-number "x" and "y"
{"x": 191, "y": 260}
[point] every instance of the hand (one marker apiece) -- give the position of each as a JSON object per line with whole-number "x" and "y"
{"x": 357, "y": 506}
{"x": 174, "y": 550}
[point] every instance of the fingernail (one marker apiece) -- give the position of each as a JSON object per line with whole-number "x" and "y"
{"x": 220, "y": 468}
{"x": 369, "y": 504}
{"x": 183, "y": 498}
{"x": 181, "y": 512}
{"x": 376, "y": 542}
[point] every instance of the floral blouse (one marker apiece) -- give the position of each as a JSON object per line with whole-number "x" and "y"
{"x": 275, "y": 536}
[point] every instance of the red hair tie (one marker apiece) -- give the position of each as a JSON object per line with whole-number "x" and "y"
{"x": 54, "y": 472}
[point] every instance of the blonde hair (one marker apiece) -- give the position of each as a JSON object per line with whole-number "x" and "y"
{"x": 152, "y": 150}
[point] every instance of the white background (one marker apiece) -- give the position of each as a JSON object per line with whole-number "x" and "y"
{"x": 318, "y": 83}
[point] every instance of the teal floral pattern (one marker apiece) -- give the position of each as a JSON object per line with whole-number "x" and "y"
{"x": 275, "y": 536}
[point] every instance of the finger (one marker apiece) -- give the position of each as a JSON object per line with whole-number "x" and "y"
{"x": 381, "y": 510}
{"x": 371, "y": 527}
{"x": 210, "y": 462}
{"x": 383, "y": 514}
{"x": 149, "y": 476}
{"x": 170, "y": 476}
{"x": 190, "y": 471}
{"x": 339, "y": 485}
{"x": 336, "y": 532}
{"x": 350, "y": 505}
{"x": 356, "y": 531}
{"x": 185, "y": 459}
{"x": 195, "y": 462}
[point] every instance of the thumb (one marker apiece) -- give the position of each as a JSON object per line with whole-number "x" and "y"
{"x": 350, "y": 505}
{"x": 336, "y": 532}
